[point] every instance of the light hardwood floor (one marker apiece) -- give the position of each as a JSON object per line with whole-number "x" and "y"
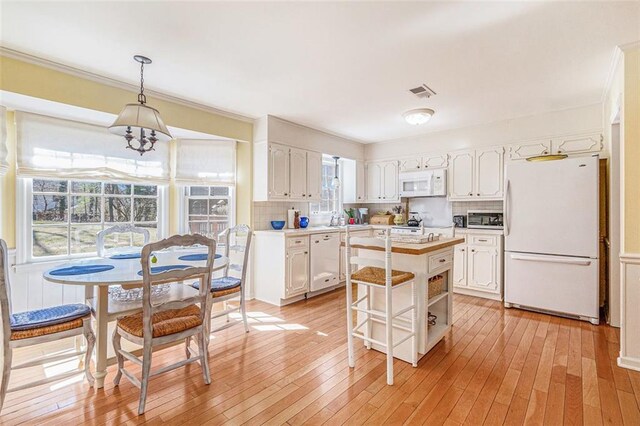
{"x": 497, "y": 366}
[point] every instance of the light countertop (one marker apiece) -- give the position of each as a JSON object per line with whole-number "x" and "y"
{"x": 415, "y": 249}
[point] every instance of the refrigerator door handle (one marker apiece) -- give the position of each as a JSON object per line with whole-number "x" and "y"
{"x": 506, "y": 208}
{"x": 534, "y": 258}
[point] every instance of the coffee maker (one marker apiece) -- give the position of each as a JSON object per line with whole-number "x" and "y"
{"x": 362, "y": 216}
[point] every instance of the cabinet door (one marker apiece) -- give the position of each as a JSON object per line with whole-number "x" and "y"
{"x": 577, "y": 144}
{"x": 297, "y": 174}
{"x": 529, "y": 149}
{"x": 297, "y": 272}
{"x": 410, "y": 164}
{"x": 482, "y": 274}
{"x": 278, "y": 171}
{"x": 489, "y": 173}
{"x": 461, "y": 175}
{"x": 390, "y": 181}
{"x": 374, "y": 182}
{"x": 438, "y": 161}
{"x": 361, "y": 194}
{"x": 460, "y": 266}
{"x": 314, "y": 175}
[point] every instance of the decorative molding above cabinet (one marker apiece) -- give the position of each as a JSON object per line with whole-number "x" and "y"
{"x": 572, "y": 144}
{"x": 434, "y": 161}
{"x": 285, "y": 173}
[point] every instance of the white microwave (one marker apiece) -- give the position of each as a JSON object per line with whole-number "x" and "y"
{"x": 424, "y": 183}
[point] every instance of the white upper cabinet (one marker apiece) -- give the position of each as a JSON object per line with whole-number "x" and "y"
{"x": 361, "y": 194}
{"x": 374, "y": 182}
{"x": 436, "y": 161}
{"x": 476, "y": 174}
{"x": 382, "y": 182}
{"x": 278, "y": 171}
{"x": 297, "y": 174}
{"x": 573, "y": 144}
{"x": 529, "y": 149}
{"x": 577, "y": 144}
{"x": 489, "y": 173}
{"x": 285, "y": 173}
{"x": 461, "y": 175}
{"x": 314, "y": 176}
{"x": 390, "y": 181}
{"x": 410, "y": 164}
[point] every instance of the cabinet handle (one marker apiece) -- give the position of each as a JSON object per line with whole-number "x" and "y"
{"x": 286, "y": 193}
{"x": 471, "y": 194}
{"x": 306, "y": 252}
{"x": 484, "y": 241}
{"x": 559, "y": 151}
{"x": 442, "y": 260}
{"x": 546, "y": 152}
{"x": 418, "y": 166}
{"x": 304, "y": 195}
{"x": 473, "y": 251}
{"x": 478, "y": 195}
{"x": 461, "y": 249}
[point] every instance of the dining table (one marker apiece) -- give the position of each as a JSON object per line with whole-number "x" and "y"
{"x": 123, "y": 268}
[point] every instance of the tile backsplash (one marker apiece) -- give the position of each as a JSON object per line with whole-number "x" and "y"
{"x": 266, "y": 211}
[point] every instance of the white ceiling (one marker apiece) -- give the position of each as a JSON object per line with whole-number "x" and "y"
{"x": 342, "y": 67}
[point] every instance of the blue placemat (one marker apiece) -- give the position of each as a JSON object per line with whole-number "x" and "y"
{"x": 166, "y": 268}
{"x": 122, "y": 256}
{"x": 81, "y": 270}
{"x": 197, "y": 256}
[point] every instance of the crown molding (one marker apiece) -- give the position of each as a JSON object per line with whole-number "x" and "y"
{"x": 25, "y": 57}
{"x": 615, "y": 57}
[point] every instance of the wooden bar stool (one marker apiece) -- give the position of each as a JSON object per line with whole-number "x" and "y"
{"x": 378, "y": 273}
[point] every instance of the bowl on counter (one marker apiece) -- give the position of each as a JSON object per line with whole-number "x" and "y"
{"x": 277, "y": 224}
{"x": 304, "y": 222}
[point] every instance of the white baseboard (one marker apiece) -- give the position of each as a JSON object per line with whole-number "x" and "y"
{"x": 630, "y": 363}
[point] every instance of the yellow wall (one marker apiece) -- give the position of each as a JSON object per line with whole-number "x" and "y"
{"x": 41, "y": 82}
{"x": 631, "y": 154}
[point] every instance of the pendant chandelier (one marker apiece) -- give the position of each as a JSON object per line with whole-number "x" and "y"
{"x": 140, "y": 124}
{"x": 335, "y": 182}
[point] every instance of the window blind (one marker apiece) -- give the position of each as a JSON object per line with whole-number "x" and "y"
{"x": 4, "y": 161}
{"x": 56, "y": 148}
{"x": 205, "y": 162}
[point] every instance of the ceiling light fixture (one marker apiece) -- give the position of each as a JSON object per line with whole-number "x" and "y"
{"x": 335, "y": 183}
{"x": 418, "y": 116}
{"x": 140, "y": 122}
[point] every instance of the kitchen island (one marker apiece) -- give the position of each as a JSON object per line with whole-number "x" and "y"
{"x": 433, "y": 260}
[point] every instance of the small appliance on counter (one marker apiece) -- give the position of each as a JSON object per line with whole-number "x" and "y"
{"x": 484, "y": 219}
{"x": 414, "y": 219}
{"x": 362, "y": 216}
{"x": 460, "y": 221}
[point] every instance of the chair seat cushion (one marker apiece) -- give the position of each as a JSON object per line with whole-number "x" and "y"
{"x": 50, "y": 329}
{"x": 373, "y": 275}
{"x": 222, "y": 286}
{"x": 48, "y": 316}
{"x": 164, "y": 323}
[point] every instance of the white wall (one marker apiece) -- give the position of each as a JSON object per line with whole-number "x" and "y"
{"x": 277, "y": 130}
{"x": 577, "y": 120}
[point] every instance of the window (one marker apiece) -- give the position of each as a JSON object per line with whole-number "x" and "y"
{"x": 66, "y": 215}
{"x": 331, "y": 200}
{"x": 209, "y": 210}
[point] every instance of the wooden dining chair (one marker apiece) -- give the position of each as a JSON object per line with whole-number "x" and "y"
{"x": 237, "y": 246}
{"x": 120, "y": 229}
{"x": 30, "y": 328}
{"x": 167, "y": 322}
{"x": 375, "y": 273}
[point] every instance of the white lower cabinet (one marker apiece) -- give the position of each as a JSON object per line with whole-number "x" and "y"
{"x": 477, "y": 265}
{"x": 297, "y": 275}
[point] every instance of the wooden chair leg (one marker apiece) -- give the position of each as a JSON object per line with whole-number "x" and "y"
{"x": 243, "y": 311}
{"x": 119, "y": 357}
{"x": 6, "y": 372}
{"x": 352, "y": 360}
{"x": 204, "y": 357}
{"x": 144, "y": 382}
{"x": 369, "y": 325}
{"x": 414, "y": 325}
{"x": 187, "y": 342}
{"x": 91, "y": 340}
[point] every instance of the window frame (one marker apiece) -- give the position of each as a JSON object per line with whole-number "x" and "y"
{"x": 24, "y": 217}
{"x": 318, "y": 213}
{"x": 183, "y": 216}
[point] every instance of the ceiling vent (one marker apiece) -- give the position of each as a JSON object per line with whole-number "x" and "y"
{"x": 422, "y": 91}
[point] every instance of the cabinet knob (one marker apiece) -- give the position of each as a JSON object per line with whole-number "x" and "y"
{"x": 478, "y": 195}
{"x": 473, "y": 251}
{"x": 546, "y": 152}
{"x": 286, "y": 193}
{"x": 418, "y": 167}
{"x": 461, "y": 249}
{"x": 306, "y": 252}
{"x": 471, "y": 194}
{"x": 379, "y": 198}
{"x": 559, "y": 151}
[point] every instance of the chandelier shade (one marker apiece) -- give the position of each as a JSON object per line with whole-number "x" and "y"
{"x": 135, "y": 117}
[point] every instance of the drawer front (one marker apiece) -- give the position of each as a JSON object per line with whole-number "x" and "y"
{"x": 298, "y": 242}
{"x": 440, "y": 261}
{"x": 482, "y": 240}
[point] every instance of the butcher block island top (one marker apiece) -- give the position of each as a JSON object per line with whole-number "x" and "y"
{"x": 415, "y": 249}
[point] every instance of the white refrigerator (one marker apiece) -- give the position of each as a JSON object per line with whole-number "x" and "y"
{"x": 551, "y": 236}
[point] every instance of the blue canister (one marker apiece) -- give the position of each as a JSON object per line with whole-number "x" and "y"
{"x": 304, "y": 222}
